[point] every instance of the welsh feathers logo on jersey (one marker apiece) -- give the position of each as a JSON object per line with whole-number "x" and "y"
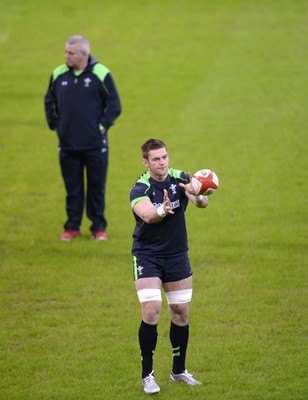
{"x": 87, "y": 82}
{"x": 173, "y": 188}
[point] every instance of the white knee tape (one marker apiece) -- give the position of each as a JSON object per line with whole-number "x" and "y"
{"x": 149, "y": 295}
{"x": 179, "y": 296}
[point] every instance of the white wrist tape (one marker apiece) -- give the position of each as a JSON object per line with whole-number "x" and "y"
{"x": 161, "y": 212}
{"x": 199, "y": 198}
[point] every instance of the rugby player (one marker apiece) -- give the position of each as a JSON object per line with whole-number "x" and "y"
{"x": 160, "y": 258}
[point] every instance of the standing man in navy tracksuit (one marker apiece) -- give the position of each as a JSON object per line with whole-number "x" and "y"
{"x": 81, "y": 104}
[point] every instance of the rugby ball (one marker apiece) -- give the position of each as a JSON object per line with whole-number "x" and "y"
{"x": 205, "y": 182}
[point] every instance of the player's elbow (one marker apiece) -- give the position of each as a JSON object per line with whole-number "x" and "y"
{"x": 149, "y": 219}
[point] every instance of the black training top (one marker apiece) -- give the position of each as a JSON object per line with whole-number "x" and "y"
{"x": 81, "y": 107}
{"x": 169, "y": 236}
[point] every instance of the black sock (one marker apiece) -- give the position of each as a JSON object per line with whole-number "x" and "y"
{"x": 147, "y": 341}
{"x": 179, "y": 339}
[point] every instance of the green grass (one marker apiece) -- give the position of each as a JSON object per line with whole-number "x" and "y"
{"x": 224, "y": 83}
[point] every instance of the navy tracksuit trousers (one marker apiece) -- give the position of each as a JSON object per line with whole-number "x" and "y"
{"x": 84, "y": 174}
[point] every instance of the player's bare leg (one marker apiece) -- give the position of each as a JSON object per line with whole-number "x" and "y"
{"x": 179, "y": 311}
{"x": 149, "y": 293}
{"x": 179, "y": 296}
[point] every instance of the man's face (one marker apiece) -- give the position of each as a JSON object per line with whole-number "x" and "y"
{"x": 74, "y": 57}
{"x": 157, "y": 163}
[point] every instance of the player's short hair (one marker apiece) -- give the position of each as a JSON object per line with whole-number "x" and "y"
{"x": 83, "y": 44}
{"x": 151, "y": 144}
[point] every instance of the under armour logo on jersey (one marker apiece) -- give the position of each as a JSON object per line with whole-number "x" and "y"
{"x": 87, "y": 82}
{"x": 64, "y": 83}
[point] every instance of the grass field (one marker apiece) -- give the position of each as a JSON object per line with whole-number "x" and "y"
{"x": 224, "y": 83}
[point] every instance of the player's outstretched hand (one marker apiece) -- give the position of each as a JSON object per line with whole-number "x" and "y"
{"x": 189, "y": 187}
{"x": 167, "y": 203}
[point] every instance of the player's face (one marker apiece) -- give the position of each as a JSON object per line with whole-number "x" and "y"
{"x": 74, "y": 57}
{"x": 157, "y": 164}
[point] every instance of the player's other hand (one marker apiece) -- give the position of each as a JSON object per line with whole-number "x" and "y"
{"x": 189, "y": 187}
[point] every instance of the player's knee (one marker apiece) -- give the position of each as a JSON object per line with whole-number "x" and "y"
{"x": 151, "y": 315}
{"x": 151, "y": 301}
{"x": 179, "y": 313}
{"x": 179, "y": 308}
{"x": 178, "y": 302}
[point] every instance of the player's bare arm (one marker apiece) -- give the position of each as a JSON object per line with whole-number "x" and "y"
{"x": 150, "y": 214}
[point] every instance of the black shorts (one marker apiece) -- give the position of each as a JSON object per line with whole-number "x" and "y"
{"x": 168, "y": 269}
